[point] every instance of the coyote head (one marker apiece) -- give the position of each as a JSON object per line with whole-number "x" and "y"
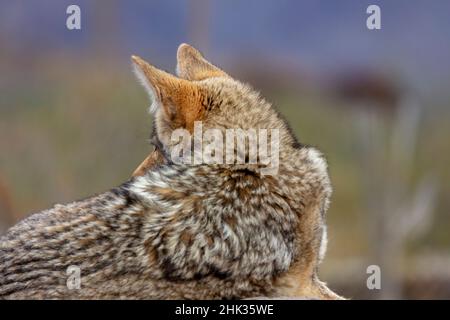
{"x": 203, "y": 93}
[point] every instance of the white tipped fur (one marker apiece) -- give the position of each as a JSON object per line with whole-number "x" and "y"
{"x": 323, "y": 243}
{"x": 317, "y": 159}
{"x": 148, "y": 87}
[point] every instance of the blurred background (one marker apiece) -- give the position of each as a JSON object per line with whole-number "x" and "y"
{"x": 74, "y": 122}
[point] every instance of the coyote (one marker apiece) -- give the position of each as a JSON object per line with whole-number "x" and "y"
{"x": 185, "y": 231}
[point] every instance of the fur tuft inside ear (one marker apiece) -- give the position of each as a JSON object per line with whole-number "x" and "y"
{"x": 142, "y": 79}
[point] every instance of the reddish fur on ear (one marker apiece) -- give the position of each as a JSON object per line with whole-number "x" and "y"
{"x": 180, "y": 99}
{"x": 154, "y": 159}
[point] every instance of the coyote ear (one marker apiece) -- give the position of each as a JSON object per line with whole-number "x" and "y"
{"x": 192, "y": 66}
{"x": 181, "y": 100}
{"x": 159, "y": 84}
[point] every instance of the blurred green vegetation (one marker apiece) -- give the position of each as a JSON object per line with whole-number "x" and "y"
{"x": 71, "y": 135}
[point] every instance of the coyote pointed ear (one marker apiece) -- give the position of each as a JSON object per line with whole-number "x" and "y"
{"x": 192, "y": 66}
{"x": 180, "y": 99}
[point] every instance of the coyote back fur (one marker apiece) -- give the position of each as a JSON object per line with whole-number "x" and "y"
{"x": 180, "y": 230}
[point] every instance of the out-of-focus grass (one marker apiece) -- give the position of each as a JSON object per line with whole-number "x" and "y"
{"x": 78, "y": 134}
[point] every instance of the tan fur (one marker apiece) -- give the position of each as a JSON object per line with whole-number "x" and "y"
{"x": 154, "y": 159}
{"x": 301, "y": 279}
{"x": 192, "y": 66}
